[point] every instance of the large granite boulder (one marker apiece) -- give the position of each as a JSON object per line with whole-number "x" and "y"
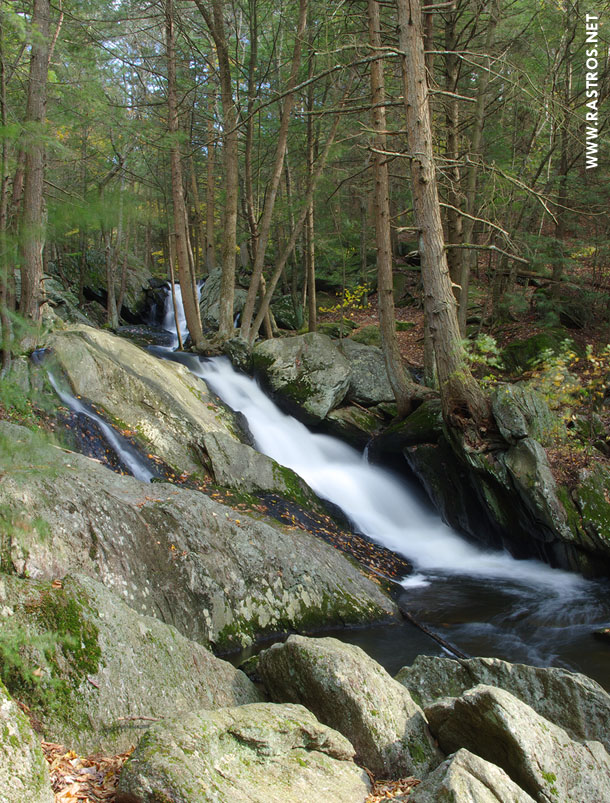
{"x": 24, "y": 774}
{"x": 105, "y": 671}
{"x": 573, "y": 701}
{"x": 209, "y": 301}
{"x": 261, "y": 753}
{"x": 220, "y": 576}
{"x": 538, "y": 756}
{"x": 466, "y": 778}
{"x": 369, "y": 383}
{"x": 168, "y": 408}
{"x": 236, "y": 465}
{"x": 350, "y": 692}
{"x": 307, "y": 374}
{"x": 521, "y": 412}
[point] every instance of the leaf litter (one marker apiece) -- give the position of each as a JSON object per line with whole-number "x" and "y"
{"x": 80, "y": 779}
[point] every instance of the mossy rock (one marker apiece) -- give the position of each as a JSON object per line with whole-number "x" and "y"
{"x": 369, "y": 335}
{"x": 337, "y": 329}
{"x": 260, "y": 753}
{"x": 24, "y": 773}
{"x": 423, "y": 425}
{"x": 100, "y": 667}
{"x": 404, "y": 326}
{"x": 521, "y": 355}
{"x": 592, "y": 497}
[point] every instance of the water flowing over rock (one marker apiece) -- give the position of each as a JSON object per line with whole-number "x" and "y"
{"x": 573, "y": 701}
{"x": 219, "y": 575}
{"x": 466, "y": 778}
{"x": 306, "y": 373}
{"x": 539, "y": 756}
{"x": 261, "y": 753}
{"x": 24, "y": 774}
{"x": 111, "y": 671}
{"x": 350, "y": 692}
{"x": 168, "y": 408}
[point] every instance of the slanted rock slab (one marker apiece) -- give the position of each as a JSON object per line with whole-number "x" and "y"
{"x": 24, "y": 774}
{"x": 350, "y": 692}
{"x": 260, "y": 753}
{"x": 236, "y": 465}
{"x": 538, "y": 756}
{"x": 466, "y": 778}
{"x": 220, "y": 576}
{"x": 573, "y": 701}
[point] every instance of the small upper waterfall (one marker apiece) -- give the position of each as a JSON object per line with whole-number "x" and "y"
{"x": 170, "y": 323}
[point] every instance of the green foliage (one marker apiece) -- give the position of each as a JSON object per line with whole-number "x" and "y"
{"x": 483, "y": 351}
{"x": 354, "y": 298}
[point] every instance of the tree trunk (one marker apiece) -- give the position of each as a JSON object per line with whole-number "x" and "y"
{"x": 455, "y": 256}
{"x": 216, "y": 24}
{"x": 180, "y": 219}
{"x": 272, "y": 188}
{"x": 401, "y": 386}
{"x": 310, "y": 261}
{"x": 5, "y": 261}
{"x": 210, "y": 248}
{"x": 31, "y": 234}
{"x": 470, "y": 258}
{"x": 463, "y": 402}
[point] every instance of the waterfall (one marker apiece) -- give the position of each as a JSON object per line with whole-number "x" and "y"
{"x": 377, "y": 503}
{"x": 127, "y": 454}
{"x": 170, "y": 323}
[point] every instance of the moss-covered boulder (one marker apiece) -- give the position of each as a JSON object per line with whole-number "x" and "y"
{"x": 307, "y": 374}
{"x": 104, "y": 671}
{"x": 219, "y": 575}
{"x": 24, "y": 773}
{"x": 520, "y": 411}
{"x": 253, "y": 754}
{"x": 353, "y": 424}
{"x": 369, "y": 383}
{"x": 466, "y": 778}
{"x": 536, "y": 754}
{"x": 423, "y": 425}
{"x": 573, "y": 701}
{"x": 168, "y": 408}
{"x": 236, "y": 465}
{"x": 285, "y": 314}
{"x": 350, "y": 692}
{"x": 592, "y": 498}
{"x": 369, "y": 335}
{"x": 337, "y": 329}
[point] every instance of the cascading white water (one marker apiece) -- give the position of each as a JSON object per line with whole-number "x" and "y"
{"x": 377, "y": 502}
{"x": 122, "y": 448}
{"x": 170, "y": 323}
